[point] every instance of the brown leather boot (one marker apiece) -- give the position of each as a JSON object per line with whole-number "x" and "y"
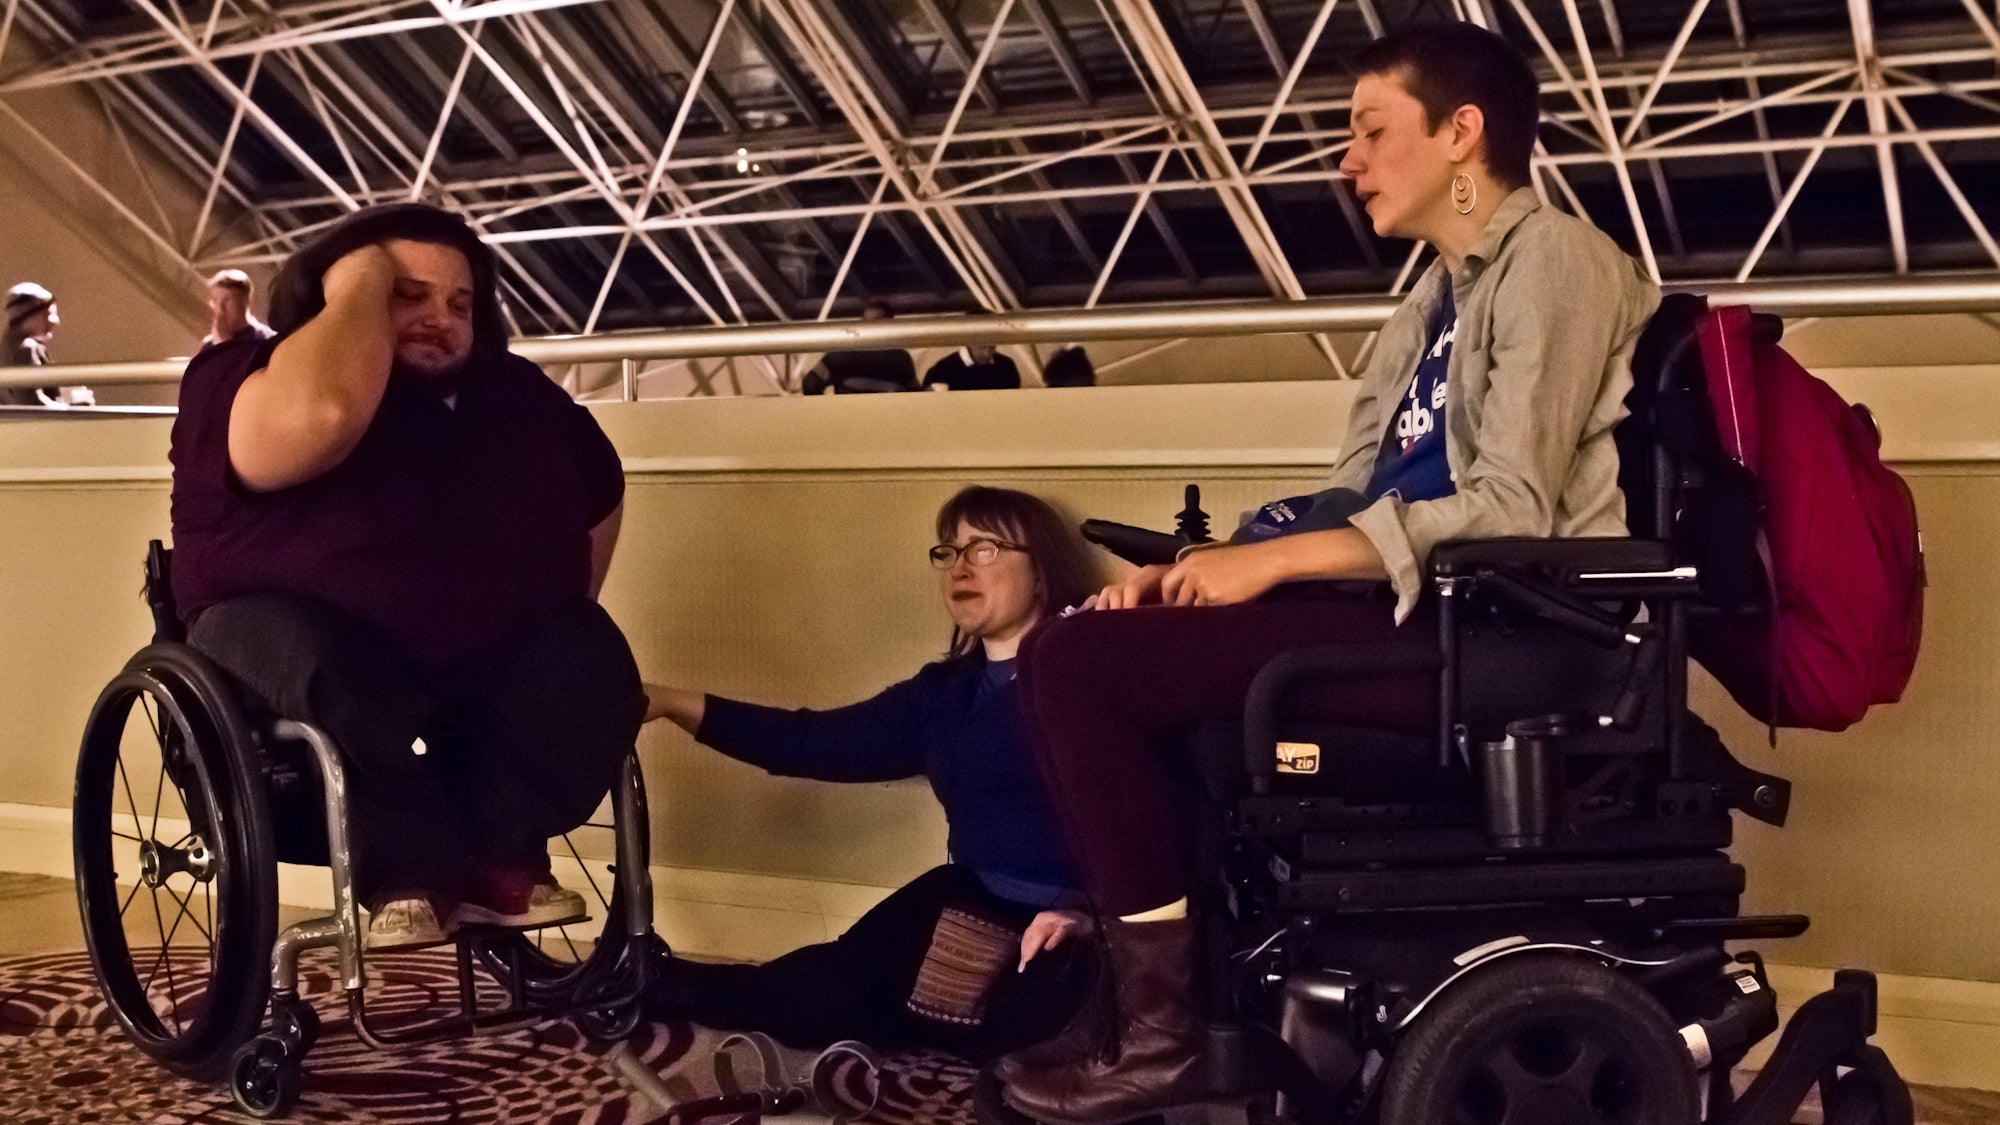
{"x": 1091, "y": 1029}
{"x": 1156, "y": 1061}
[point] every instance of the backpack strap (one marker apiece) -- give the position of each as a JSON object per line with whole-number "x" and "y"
{"x": 1769, "y": 566}
{"x": 1729, "y": 364}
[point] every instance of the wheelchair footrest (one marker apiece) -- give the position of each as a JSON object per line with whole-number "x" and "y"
{"x": 1494, "y": 884}
{"x": 477, "y": 929}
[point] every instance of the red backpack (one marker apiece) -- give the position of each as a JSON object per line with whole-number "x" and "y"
{"x": 1837, "y": 531}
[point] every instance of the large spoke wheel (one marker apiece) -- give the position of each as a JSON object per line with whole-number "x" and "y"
{"x": 174, "y": 868}
{"x": 1542, "y": 1040}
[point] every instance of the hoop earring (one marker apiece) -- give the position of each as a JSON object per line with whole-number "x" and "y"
{"x": 1464, "y": 193}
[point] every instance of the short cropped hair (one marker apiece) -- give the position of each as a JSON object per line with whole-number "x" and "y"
{"x": 1061, "y": 561}
{"x": 297, "y": 295}
{"x": 1448, "y": 65}
{"x": 235, "y": 281}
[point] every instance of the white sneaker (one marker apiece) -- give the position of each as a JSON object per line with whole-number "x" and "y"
{"x": 404, "y": 923}
{"x": 546, "y": 904}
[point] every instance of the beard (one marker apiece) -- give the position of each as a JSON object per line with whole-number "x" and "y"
{"x": 442, "y": 379}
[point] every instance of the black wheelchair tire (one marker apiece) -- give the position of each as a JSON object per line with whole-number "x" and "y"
{"x": 265, "y": 1078}
{"x": 1549, "y": 1038}
{"x": 219, "y": 774}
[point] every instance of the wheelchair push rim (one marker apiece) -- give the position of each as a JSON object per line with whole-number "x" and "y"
{"x": 174, "y": 871}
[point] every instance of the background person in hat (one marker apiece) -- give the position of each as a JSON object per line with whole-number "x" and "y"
{"x": 32, "y": 318}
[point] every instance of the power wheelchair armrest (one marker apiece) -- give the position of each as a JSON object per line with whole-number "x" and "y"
{"x": 1569, "y": 584}
{"x": 1596, "y": 569}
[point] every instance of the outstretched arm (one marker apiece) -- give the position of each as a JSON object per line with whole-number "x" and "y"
{"x": 303, "y": 414}
{"x": 878, "y": 739}
{"x": 686, "y": 708}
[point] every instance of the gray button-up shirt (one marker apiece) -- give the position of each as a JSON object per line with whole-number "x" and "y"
{"x": 1548, "y": 312}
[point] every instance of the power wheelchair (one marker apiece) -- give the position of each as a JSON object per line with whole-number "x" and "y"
{"x": 186, "y": 802}
{"x": 1523, "y": 918}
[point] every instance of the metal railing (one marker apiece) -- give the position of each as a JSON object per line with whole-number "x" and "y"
{"x": 1975, "y": 293}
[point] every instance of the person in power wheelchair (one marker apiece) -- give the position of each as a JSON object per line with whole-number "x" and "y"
{"x": 974, "y": 957}
{"x": 1454, "y": 863}
{"x": 390, "y": 528}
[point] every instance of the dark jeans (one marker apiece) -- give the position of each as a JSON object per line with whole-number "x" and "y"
{"x": 856, "y": 987}
{"x": 1111, "y": 697}
{"x": 516, "y": 749}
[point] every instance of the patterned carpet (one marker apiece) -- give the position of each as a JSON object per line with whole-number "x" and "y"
{"x": 63, "y": 1059}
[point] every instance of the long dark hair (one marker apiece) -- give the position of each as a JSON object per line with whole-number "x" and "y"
{"x": 297, "y": 296}
{"x": 1062, "y": 564}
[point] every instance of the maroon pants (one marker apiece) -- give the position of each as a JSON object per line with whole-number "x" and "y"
{"x": 1111, "y": 696}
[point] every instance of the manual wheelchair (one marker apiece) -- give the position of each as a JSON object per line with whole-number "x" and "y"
{"x": 1523, "y": 917}
{"x": 186, "y": 802}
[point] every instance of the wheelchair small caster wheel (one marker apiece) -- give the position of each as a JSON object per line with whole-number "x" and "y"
{"x": 608, "y": 1025}
{"x": 264, "y": 1077}
{"x": 297, "y": 1024}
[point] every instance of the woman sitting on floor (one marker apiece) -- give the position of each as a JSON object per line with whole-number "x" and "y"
{"x": 1486, "y": 411}
{"x": 1005, "y": 562}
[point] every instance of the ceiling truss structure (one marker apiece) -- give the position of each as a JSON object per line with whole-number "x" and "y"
{"x": 646, "y": 163}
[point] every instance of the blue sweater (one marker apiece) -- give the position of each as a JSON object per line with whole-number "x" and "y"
{"x": 950, "y": 724}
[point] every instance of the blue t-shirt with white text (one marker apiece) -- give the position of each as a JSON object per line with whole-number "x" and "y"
{"x": 1412, "y": 461}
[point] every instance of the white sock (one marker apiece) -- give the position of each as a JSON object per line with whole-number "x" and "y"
{"x": 1172, "y": 910}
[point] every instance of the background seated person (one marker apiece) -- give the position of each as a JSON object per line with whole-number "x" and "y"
{"x": 389, "y": 527}
{"x": 1487, "y": 410}
{"x": 1005, "y": 563}
{"x": 1069, "y": 367}
{"x": 975, "y": 367}
{"x": 863, "y": 370}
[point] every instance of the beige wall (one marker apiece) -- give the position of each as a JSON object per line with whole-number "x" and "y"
{"x": 773, "y": 550}
{"x": 122, "y": 295}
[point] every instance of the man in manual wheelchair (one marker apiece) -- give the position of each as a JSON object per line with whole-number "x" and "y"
{"x": 388, "y": 527}
{"x": 1370, "y": 816}
{"x": 378, "y": 648}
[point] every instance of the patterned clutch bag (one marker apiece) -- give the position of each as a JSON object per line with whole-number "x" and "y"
{"x": 967, "y": 955}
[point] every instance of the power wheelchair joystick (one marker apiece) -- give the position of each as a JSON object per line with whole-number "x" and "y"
{"x": 1144, "y": 547}
{"x": 1191, "y": 524}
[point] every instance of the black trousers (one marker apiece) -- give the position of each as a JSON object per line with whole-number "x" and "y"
{"x": 515, "y": 749}
{"x": 857, "y": 986}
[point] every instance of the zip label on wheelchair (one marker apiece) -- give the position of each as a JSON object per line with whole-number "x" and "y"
{"x": 1298, "y": 757}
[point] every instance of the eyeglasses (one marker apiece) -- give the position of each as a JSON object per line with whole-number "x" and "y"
{"x": 978, "y": 552}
